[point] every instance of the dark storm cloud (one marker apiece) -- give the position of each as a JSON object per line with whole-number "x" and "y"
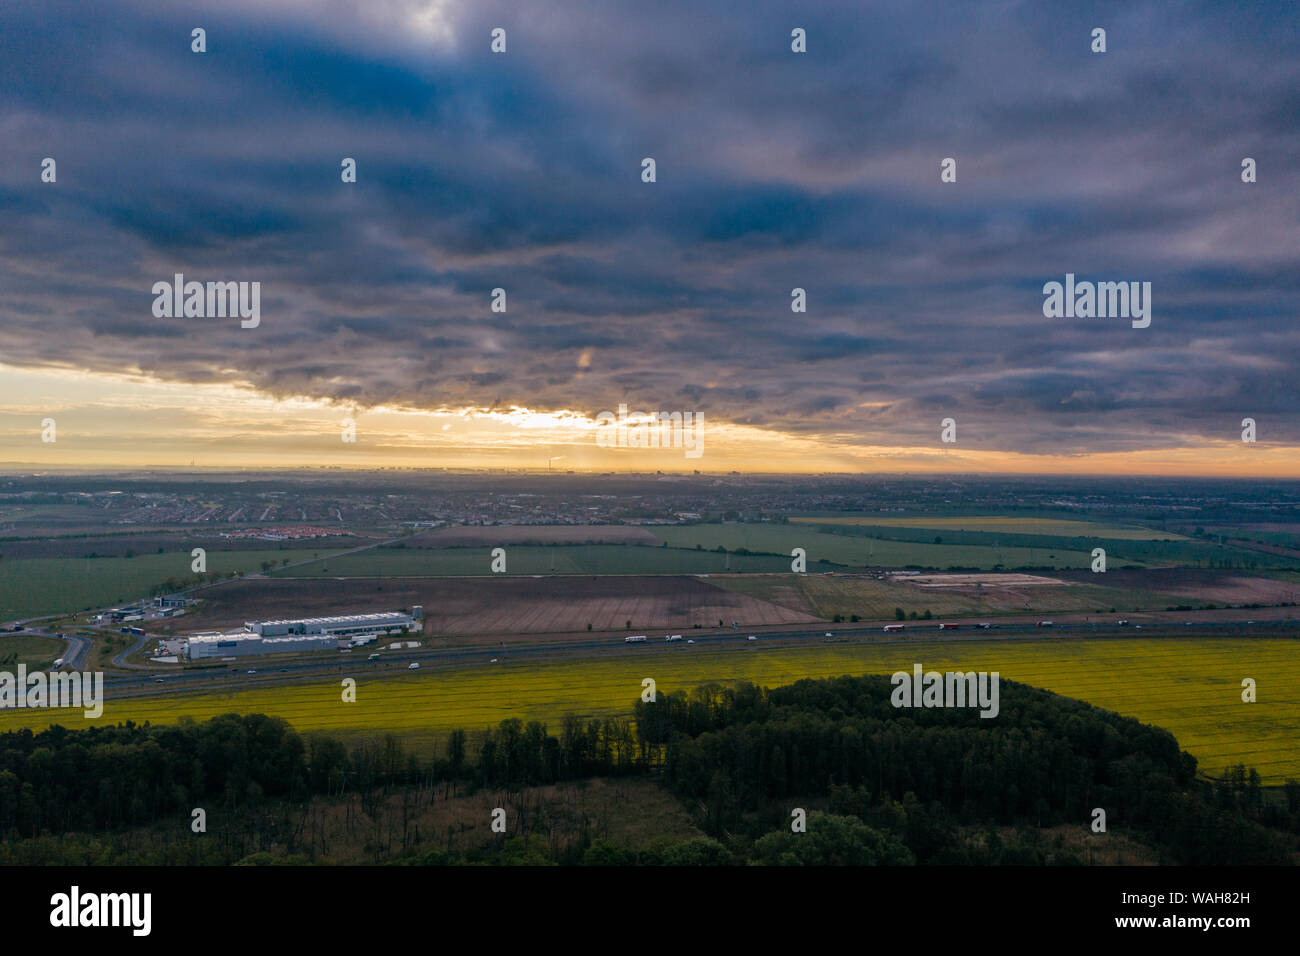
{"x": 775, "y": 170}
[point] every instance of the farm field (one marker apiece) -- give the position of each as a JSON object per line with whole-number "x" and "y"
{"x": 29, "y": 649}
{"x": 1281, "y": 533}
{"x": 1189, "y": 686}
{"x": 1134, "y": 547}
{"x": 38, "y": 586}
{"x": 43, "y": 520}
{"x": 142, "y": 543}
{"x": 859, "y": 551}
{"x": 523, "y": 559}
{"x": 1056, "y": 527}
{"x": 1160, "y": 587}
{"x": 498, "y": 605}
{"x": 874, "y": 599}
{"x": 497, "y": 536}
{"x": 1155, "y": 589}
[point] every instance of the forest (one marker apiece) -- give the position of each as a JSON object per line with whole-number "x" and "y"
{"x": 817, "y": 772}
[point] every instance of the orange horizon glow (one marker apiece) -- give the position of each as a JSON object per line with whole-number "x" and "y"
{"x": 133, "y": 422}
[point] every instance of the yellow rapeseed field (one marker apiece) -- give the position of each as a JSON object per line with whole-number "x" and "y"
{"x": 1190, "y": 686}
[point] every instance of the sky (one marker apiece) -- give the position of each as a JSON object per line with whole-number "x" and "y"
{"x": 774, "y": 170}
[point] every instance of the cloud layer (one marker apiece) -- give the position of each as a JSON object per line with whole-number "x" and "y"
{"x": 775, "y": 170}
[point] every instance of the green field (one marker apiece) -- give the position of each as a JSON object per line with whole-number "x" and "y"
{"x": 1126, "y": 545}
{"x": 858, "y": 551}
{"x": 1058, "y": 527}
{"x": 1190, "y": 686}
{"x": 30, "y": 650}
{"x": 37, "y": 586}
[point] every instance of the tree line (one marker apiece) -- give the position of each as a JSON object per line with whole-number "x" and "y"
{"x": 876, "y": 784}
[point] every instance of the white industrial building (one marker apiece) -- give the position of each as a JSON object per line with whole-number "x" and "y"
{"x": 302, "y": 634}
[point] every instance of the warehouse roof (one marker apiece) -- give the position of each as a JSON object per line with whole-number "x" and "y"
{"x": 340, "y": 619}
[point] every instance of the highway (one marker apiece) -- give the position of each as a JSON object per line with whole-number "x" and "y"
{"x": 74, "y": 658}
{"x": 170, "y": 679}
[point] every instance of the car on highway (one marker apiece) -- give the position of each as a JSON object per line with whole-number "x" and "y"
{"x": 690, "y": 642}
{"x": 493, "y": 661}
{"x": 1122, "y": 623}
{"x": 412, "y": 667}
{"x": 751, "y": 638}
{"x": 157, "y": 680}
{"x": 1044, "y": 623}
{"x": 984, "y": 627}
{"x": 829, "y": 634}
{"x": 673, "y": 637}
{"x": 373, "y": 657}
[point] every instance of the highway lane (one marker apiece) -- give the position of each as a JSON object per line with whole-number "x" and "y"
{"x": 433, "y": 660}
{"x": 75, "y": 656}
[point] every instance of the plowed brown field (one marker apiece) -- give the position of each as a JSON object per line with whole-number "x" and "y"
{"x": 497, "y": 606}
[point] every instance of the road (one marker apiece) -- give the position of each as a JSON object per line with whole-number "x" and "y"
{"x": 152, "y": 679}
{"x": 434, "y": 660}
{"x": 74, "y": 658}
{"x": 120, "y": 660}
